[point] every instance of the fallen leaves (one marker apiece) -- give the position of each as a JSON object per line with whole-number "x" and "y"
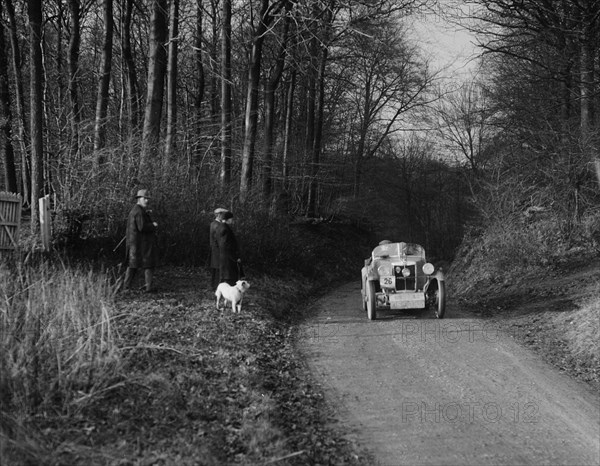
{"x": 200, "y": 386}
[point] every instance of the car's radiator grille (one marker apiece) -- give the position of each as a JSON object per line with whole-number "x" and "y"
{"x": 409, "y": 283}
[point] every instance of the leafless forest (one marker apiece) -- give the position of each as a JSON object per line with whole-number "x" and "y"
{"x": 299, "y": 108}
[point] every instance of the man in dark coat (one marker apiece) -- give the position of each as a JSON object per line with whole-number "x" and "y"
{"x": 141, "y": 250}
{"x": 230, "y": 264}
{"x": 215, "y": 226}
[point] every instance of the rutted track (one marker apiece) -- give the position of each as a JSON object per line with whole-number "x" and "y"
{"x": 417, "y": 390}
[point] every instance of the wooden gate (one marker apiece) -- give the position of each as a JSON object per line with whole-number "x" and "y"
{"x": 10, "y": 219}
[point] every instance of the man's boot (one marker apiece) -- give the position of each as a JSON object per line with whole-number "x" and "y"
{"x": 148, "y": 275}
{"x": 129, "y": 274}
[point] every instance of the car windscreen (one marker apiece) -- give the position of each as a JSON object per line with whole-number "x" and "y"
{"x": 398, "y": 249}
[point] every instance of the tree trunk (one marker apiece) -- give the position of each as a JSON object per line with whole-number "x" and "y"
{"x": 170, "y": 140}
{"x": 214, "y": 82}
{"x": 289, "y": 114}
{"x": 74, "y": 45}
{"x": 225, "y": 174}
{"x": 61, "y": 90}
{"x": 318, "y": 138}
{"x": 309, "y": 135}
{"x": 156, "y": 81}
{"x": 364, "y": 127}
{"x": 132, "y": 92}
{"x": 272, "y": 86}
{"x": 587, "y": 86}
{"x": 251, "y": 117}
{"x": 200, "y": 83}
{"x": 36, "y": 107}
{"x": 22, "y": 125}
{"x": 7, "y": 155}
{"x": 104, "y": 83}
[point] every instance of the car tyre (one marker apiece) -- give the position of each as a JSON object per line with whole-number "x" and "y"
{"x": 371, "y": 300}
{"x": 440, "y": 301}
{"x": 363, "y": 296}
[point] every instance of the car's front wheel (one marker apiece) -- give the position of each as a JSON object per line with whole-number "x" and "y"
{"x": 363, "y": 295}
{"x": 371, "y": 300}
{"x": 437, "y": 299}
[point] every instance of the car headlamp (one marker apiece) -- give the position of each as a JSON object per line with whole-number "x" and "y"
{"x": 405, "y": 272}
{"x": 384, "y": 270}
{"x": 428, "y": 269}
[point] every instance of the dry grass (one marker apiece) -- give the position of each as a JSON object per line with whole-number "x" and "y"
{"x": 505, "y": 250}
{"x": 582, "y": 331}
{"x": 57, "y": 346}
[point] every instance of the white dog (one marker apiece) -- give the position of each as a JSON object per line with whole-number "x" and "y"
{"x": 233, "y": 294}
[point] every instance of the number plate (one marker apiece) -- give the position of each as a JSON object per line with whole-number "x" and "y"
{"x": 407, "y": 301}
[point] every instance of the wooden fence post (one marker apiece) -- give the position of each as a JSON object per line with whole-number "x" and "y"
{"x": 45, "y": 221}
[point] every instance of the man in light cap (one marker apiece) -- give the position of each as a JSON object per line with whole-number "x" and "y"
{"x": 141, "y": 251}
{"x": 215, "y": 228}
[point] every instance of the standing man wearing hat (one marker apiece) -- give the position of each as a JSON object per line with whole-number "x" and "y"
{"x": 215, "y": 227}
{"x": 141, "y": 250}
{"x": 230, "y": 264}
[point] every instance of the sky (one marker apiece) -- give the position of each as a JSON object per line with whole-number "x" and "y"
{"x": 447, "y": 46}
{"x": 452, "y": 55}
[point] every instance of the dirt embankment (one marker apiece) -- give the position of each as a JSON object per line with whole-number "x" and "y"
{"x": 551, "y": 311}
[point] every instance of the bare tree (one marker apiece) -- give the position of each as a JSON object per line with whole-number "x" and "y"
{"x": 388, "y": 82}
{"x": 22, "y": 125}
{"x": 287, "y": 136}
{"x": 311, "y": 98}
{"x": 34, "y": 13}
{"x": 104, "y": 83}
{"x": 74, "y": 50}
{"x": 318, "y": 135}
{"x": 225, "y": 172}
{"x": 270, "y": 109}
{"x": 200, "y": 74}
{"x": 171, "y": 137}
{"x": 557, "y": 38}
{"x": 156, "y": 81}
{"x": 214, "y": 60}
{"x": 588, "y": 39}
{"x": 465, "y": 123}
{"x": 7, "y": 155}
{"x": 543, "y": 58}
{"x": 131, "y": 86}
{"x": 266, "y": 15}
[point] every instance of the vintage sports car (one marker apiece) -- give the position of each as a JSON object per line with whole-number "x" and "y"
{"x": 397, "y": 276}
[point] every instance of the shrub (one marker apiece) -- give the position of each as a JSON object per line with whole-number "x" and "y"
{"x": 506, "y": 249}
{"x": 91, "y": 221}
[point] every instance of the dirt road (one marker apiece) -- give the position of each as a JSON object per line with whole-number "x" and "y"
{"x": 416, "y": 390}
